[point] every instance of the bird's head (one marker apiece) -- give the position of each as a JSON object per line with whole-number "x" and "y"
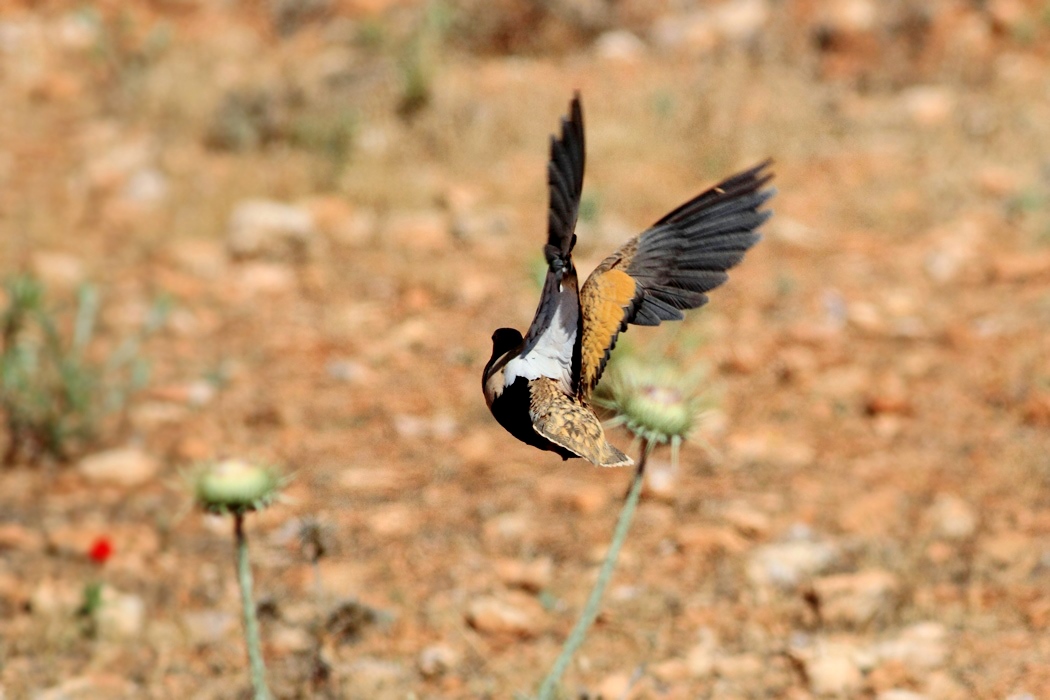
{"x": 503, "y": 341}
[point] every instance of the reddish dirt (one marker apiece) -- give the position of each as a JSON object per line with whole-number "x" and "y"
{"x": 870, "y": 514}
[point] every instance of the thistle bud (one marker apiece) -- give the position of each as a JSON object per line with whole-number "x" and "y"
{"x": 656, "y": 402}
{"x": 236, "y": 486}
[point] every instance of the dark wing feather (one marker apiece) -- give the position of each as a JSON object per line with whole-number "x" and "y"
{"x": 565, "y": 182}
{"x": 560, "y": 294}
{"x": 671, "y": 266}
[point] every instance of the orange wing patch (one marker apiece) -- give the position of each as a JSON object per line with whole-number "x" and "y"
{"x": 605, "y": 300}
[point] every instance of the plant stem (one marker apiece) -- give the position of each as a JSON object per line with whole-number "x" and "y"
{"x": 251, "y": 623}
{"x": 590, "y": 610}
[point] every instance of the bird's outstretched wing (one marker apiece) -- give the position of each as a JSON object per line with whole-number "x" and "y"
{"x": 566, "y": 422}
{"x": 551, "y": 347}
{"x": 565, "y": 182}
{"x": 670, "y": 267}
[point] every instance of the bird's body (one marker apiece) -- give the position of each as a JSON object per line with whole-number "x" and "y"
{"x": 538, "y": 386}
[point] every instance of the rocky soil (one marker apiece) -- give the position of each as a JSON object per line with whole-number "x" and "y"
{"x": 341, "y": 199}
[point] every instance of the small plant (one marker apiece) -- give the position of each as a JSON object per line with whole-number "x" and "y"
{"x": 99, "y": 553}
{"x": 124, "y": 52}
{"x": 659, "y": 408}
{"x": 417, "y": 59}
{"x": 237, "y": 488}
{"x": 53, "y": 393}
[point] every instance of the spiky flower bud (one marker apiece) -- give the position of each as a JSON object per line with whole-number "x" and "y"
{"x": 656, "y": 402}
{"x": 236, "y": 486}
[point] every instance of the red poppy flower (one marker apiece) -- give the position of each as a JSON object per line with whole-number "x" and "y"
{"x": 101, "y": 550}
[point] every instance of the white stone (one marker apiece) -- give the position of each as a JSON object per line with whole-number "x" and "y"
{"x": 928, "y": 105}
{"x": 786, "y": 564}
{"x": 619, "y": 45}
{"x": 834, "y": 673}
{"x": 122, "y": 467}
{"x": 849, "y": 16}
{"x": 922, "y": 646}
{"x": 208, "y": 626}
{"x": 900, "y": 694}
{"x": 857, "y": 599}
{"x": 57, "y": 269}
{"x": 264, "y": 228}
{"x": 514, "y": 614}
{"x": 952, "y": 518}
{"x": 121, "y": 616}
{"x": 437, "y": 659}
{"x": 740, "y": 20}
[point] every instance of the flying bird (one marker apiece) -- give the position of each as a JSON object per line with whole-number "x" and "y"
{"x": 538, "y": 386}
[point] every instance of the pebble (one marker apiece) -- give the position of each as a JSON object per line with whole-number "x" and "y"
{"x": 441, "y": 426}
{"x": 146, "y": 187}
{"x": 771, "y": 448}
{"x": 848, "y": 17}
{"x": 436, "y": 660}
{"x": 1008, "y": 14}
{"x": 786, "y": 564}
{"x": 795, "y": 234}
{"x": 420, "y": 231}
{"x": 395, "y": 520}
{"x": 661, "y": 480}
{"x": 740, "y": 20}
{"x": 288, "y": 639}
{"x": 370, "y": 675}
{"x": 619, "y": 45}
{"x": 263, "y": 279}
{"x": 532, "y": 576}
{"x": 261, "y": 228}
{"x": 58, "y": 270}
{"x": 928, "y": 105}
{"x": 952, "y": 518}
{"x": 586, "y": 497}
{"x": 509, "y": 530}
{"x": 692, "y": 33}
{"x": 671, "y": 671}
{"x": 857, "y": 599}
{"x": 54, "y": 598}
{"x": 13, "y": 594}
{"x": 373, "y": 481}
{"x": 1009, "y": 548}
{"x": 747, "y": 520}
{"x": 833, "y": 672}
{"x": 900, "y": 694}
{"x": 616, "y": 685}
{"x": 89, "y": 687}
{"x": 513, "y": 614}
{"x": 204, "y": 627}
{"x": 199, "y": 257}
{"x": 20, "y": 538}
{"x": 122, "y": 616}
{"x": 700, "y": 659}
{"x": 127, "y": 467}
{"x": 739, "y": 667}
{"x": 922, "y": 646}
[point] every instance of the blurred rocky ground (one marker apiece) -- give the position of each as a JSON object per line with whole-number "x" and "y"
{"x": 340, "y": 199}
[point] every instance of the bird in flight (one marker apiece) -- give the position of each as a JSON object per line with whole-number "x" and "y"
{"x": 538, "y": 386}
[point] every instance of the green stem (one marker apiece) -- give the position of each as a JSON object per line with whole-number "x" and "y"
{"x": 591, "y": 609}
{"x": 251, "y": 623}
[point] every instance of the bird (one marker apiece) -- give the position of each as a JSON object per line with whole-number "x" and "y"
{"x": 538, "y": 385}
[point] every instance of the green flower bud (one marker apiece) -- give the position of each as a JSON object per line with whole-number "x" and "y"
{"x": 236, "y": 486}
{"x": 656, "y": 402}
